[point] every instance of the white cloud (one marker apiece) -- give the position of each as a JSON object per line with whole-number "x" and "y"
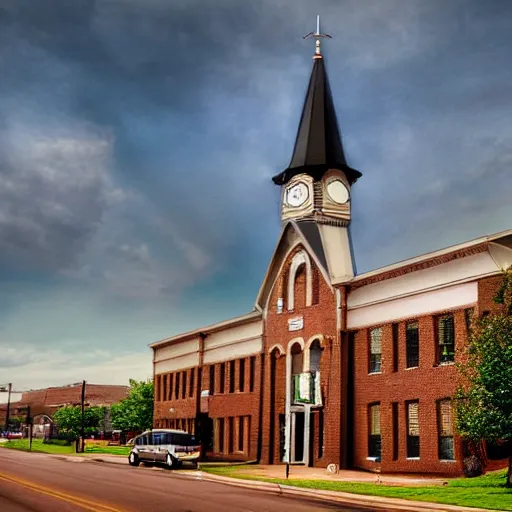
{"x": 33, "y": 366}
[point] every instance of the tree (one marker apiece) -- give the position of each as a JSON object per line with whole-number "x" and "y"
{"x": 135, "y": 413}
{"x": 484, "y": 398}
{"x": 69, "y": 420}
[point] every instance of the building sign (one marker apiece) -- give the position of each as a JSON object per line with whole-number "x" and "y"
{"x": 296, "y": 324}
{"x": 306, "y": 388}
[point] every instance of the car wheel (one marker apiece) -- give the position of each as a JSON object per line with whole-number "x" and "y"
{"x": 133, "y": 459}
{"x": 171, "y": 462}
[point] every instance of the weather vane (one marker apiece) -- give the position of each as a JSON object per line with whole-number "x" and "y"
{"x": 317, "y": 36}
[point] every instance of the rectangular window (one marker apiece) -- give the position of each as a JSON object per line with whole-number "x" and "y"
{"x": 184, "y": 384}
{"x": 170, "y": 390}
{"x": 375, "y": 350}
{"x": 231, "y": 434}
{"x": 413, "y": 430}
{"x": 177, "y": 385}
{"x": 412, "y": 344}
{"x": 231, "y": 376}
{"x": 222, "y": 379}
{"x": 445, "y": 430}
{"x": 252, "y": 372}
{"x": 191, "y": 384}
{"x": 446, "y": 339}
{"x": 395, "y": 347}
{"x": 241, "y": 375}
{"x": 241, "y": 433}
{"x": 395, "y": 429}
{"x": 165, "y": 387}
{"x": 374, "y": 440}
{"x": 212, "y": 379}
{"x": 220, "y": 424}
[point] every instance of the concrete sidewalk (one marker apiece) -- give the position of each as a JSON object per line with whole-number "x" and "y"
{"x": 307, "y": 473}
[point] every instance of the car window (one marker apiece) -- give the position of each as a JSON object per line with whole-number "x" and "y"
{"x": 182, "y": 439}
{"x": 158, "y": 439}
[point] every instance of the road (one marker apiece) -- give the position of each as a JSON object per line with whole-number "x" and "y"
{"x": 40, "y": 483}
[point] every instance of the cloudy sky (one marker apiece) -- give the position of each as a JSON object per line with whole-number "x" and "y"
{"x": 138, "y": 139}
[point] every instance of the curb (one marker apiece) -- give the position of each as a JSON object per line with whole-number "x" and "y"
{"x": 360, "y": 500}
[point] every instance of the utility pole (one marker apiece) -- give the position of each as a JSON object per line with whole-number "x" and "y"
{"x": 82, "y": 448}
{"x": 29, "y": 424}
{"x": 8, "y": 413}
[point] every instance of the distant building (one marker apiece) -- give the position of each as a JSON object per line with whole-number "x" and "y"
{"x": 333, "y": 366}
{"x": 44, "y": 402}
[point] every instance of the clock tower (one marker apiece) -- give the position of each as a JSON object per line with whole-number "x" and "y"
{"x": 317, "y": 184}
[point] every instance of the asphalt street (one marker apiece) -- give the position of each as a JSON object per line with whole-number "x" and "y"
{"x": 38, "y": 482}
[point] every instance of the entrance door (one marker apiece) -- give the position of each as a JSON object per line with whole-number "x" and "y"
{"x": 297, "y": 438}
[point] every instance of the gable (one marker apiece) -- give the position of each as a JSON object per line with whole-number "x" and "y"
{"x": 291, "y": 237}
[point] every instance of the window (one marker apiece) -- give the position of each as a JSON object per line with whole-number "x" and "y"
{"x": 446, "y": 338}
{"x": 413, "y": 430}
{"x": 412, "y": 344}
{"x": 184, "y": 384}
{"x": 165, "y": 387}
{"x": 374, "y": 440}
{"x": 171, "y": 382}
{"x": 394, "y": 406}
{"x": 231, "y": 433}
{"x": 222, "y": 383}
{"x": 395, "y": 347}
{"x": 252, "y": 371}
{"x": 231, "y": 376}
{"x": 445, "y": 430}
{"x": 241, "y": 433}
{"x": 297, "y": 359}
{"x": 177, "y": 385}
{"x": 241, "y": 376}
{"x": 315, "y": 354}
{"x": 375, "y": 350}
{"x": 191, "y": 386}
{"x": 220, "y": 426}
{"x": 212, "y": 379}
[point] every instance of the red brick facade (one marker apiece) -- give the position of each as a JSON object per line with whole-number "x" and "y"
{"x": 247, "y": 408}
{"x": 233, "y": 406}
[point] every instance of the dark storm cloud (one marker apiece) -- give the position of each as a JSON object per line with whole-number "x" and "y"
{"x": 138, "y": 138}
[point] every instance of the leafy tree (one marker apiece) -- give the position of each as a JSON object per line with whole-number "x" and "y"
{"x": 135, "y": 413}
{"x": 484, "y": 398}
{"x": 69, "y": 420}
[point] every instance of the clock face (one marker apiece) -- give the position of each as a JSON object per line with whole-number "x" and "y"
{"x": 338, "y": 192}
{"x": 297, "y": 195}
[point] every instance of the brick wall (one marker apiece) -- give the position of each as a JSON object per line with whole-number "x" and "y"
{"x": 319, "y": 319}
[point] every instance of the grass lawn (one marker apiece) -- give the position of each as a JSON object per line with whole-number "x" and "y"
{"x": 37, "y": 446}
{"x": 110, "y": 450}
{"x": 487, "y": 491}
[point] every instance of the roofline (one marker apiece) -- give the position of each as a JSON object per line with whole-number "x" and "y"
{"x": 303, "y": 240}
{"x": 428, "y": 256}
{"x": 239, "y": 320}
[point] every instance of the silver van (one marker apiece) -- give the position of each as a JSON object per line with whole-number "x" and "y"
{"x": 165, "y": 446}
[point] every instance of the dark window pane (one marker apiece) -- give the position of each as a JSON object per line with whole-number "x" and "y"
{"x": 412, "y": 345}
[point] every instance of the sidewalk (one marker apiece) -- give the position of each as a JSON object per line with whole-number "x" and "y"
{"x": 307, "y": 473}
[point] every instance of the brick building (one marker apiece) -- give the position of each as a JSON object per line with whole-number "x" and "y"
{"x": 44, "y": 402}
{"x": 332, "y": 366}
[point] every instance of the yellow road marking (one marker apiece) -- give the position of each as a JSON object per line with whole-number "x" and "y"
{"x": 94, "y": 506}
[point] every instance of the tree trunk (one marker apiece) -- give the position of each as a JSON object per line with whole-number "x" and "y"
{"x": 509, "y": 472}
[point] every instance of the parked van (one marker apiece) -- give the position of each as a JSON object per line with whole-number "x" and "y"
{"x": 167, "y": 446}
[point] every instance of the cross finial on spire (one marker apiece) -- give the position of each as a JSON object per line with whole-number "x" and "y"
{"x": 317, "y": 36}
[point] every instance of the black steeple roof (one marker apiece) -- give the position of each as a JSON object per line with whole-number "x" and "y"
{"x": 318, "y": 146}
